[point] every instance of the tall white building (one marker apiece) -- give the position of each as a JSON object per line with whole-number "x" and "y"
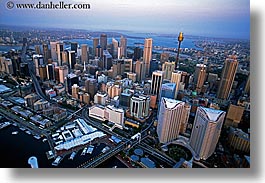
{"x": 172, "y": 114}
{"x": 139, "y": 106}
{"x": 206, "y": 131}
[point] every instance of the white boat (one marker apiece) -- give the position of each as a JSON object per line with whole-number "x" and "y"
{"x": 37, "y": 137}
{"x": 44, "y": 140}
{"x": 105, "y": 149}
{"x": 72, "y": 155}
{"x": 57, "y": 161}
{"x": 28, "y": 132}
{"x": 90, "y": 149}
{"x": 84, "y": 151}
{"x": 15, "y": 132}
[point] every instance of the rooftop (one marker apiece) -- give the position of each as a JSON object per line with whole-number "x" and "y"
{"x": 171, "y": 103}
{"x": 213, "y": 114}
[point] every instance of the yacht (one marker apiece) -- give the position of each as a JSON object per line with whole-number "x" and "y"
{"x": 72, "y": 155}
{"x": 90, "y": 149}
{"x": 84, "y": 151}
{"x": 57, "y": 161}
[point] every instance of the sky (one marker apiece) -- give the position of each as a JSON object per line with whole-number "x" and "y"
{"x": 214, "y": 18}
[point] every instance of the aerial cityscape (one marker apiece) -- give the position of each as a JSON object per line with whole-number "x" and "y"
{"x": 77, "y": 92}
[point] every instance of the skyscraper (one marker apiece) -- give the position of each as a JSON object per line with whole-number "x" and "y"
{"x": 95, "y": 45}
{"x": 53, "y": 50}
{"x": 157, "y": 79}
{"x": 123, "y": 46}
{"x": 171, "y": 115}
{"x": 139, "y": 106}
{"x": 46, "y": 53}
{"x": 103, "y": 42}
{"x": 227, "y": 78}
{"x": 164, "y": 57}
{"x": 137, "y": 53}
{"x": 74, "y": 46}
{"x": 206, "y": 131}
{"x": 139, "y": 70}
{"x": 115, "y": 45}
{"x": 84, "y": 53}
{"x": 50, "y": 71}
{"x": 63, "y": 72}
{"x": 200, "y": 76}
{"x": 59, "y": 51}
{"x": 168, "y": 90}
{"x": 176, "y": 78}
{"x": 168, "y": 68}
{"x": 72, "y": 59}
{"x": 147, "y": 56}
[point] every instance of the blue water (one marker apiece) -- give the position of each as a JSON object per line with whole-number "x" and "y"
{"x": 163, "y": 41}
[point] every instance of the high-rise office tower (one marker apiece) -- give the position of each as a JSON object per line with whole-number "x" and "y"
{"x": 91, "y": 87}
{"x": 212, "y": 80}
{"x": 115, "y": 45}
{"x": 157, "y": 79}
{"x": 137, "y": 53}
{"x": 43, "y": 72}
{"x": 168, "y": 90}
{"x": 200, "y": 76}
{"x": 84, "y": 53}
{"x": 168, "y": 68}
{"x": 50, "y": 72}
{"x": 164, "y": 57}
{"x": 171, "y": 115}
{"x": 71, "y": 79}
{"x": 38, "y": 60}
{"x": 56, "y": 73}
{"x": 206, "y": 131}
{"x": 65, "y": 60}
{"x": 147, "y": 56}
{"x": 72, "y": 59}
{"x": 46, "y": 53}
{"x": 95, "y": 45}
{"x": 74, "y": 46}
{"x": 63, "y": 72}
{"x": 53, "y": 50}
{"x": 176, "y": 78}
{"x": 154, "y": 65}
{"x": 59, "y": 51}
{"x": 128, "y": 63}
{"x": 139, "y": 106}
{"x": 227, "y": 78}
{"x": 139, "y": 70}
{"x": 75, "y": 90}
{"x": 107, "y": 60}
{"x": 103, "y": 42}
{"x": 123, "y": 46}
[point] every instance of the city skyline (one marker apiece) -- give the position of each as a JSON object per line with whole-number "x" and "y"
{"x": 217, "y": 19}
